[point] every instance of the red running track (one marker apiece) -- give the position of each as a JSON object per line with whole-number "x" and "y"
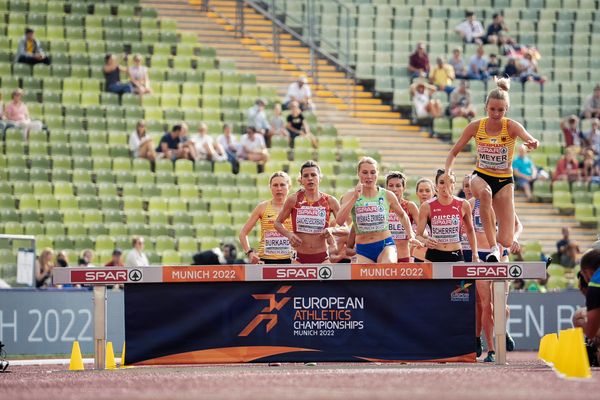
{"x": 524, "y": 378}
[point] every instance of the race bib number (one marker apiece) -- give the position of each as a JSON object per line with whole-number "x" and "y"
{"x": 396, "y": 228}
{"x": 492, "y": 156}
{"x": 464, "y": 242}
{"x": 370, "y": 218}
{"x": 311, "y": 219}
{"x": 276, "y": 244}
{"x": 446, "y": 228}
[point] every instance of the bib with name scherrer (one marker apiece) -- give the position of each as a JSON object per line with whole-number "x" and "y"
{"x": 445, "y": 220}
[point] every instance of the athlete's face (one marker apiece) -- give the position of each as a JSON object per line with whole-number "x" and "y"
{"x": 467, "y": 187}
{"x": 396, "y": 186}
{"x": 446, "y": 185}
{"x": 496, "y": 109}
{"x": 367, "y": 174}
{"x": 310, "y": 178}
{"x": 424, "y": 192}
{"x": 279, "y": 187}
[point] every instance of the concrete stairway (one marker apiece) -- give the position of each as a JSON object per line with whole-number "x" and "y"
{"x": 373, "y": 122}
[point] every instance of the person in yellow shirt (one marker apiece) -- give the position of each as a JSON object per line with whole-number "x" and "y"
{"x": 442, "y": 75}
{"x": 30, "y": 51}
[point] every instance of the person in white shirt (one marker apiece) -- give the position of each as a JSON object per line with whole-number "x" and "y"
{"x": 257, "y": 117}
{"x": 230, "y": 144}
{"x": 138, "y": 75}
{"x": 140, "y": 143}
{"x": 253, "y": 147}
{"x": 470, "y": 30}
{"x": 136, "y": 256}
{"x": 206, "y": 148}
{"x": 278, "y": 123}
{"x": 299, "y": 91}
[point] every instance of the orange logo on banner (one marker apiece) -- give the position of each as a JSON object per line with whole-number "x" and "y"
{"x": 205, "y": 273}
{"x": 398, "y": 271}
{"x": 266, "y": 313}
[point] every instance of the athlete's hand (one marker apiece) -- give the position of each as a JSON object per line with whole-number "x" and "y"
{"x": 431, "y": 243}
{"x": 475, "y": 258}
{"x": 295, "y": 240}
{"x": 515, "y": 247}
{"x": 532, "y": 144}
{"x": 254, "y": 259}
{"x": 414, "y": 242}
{"x": 326, "y": 234}
{"x": 358, "y": 190}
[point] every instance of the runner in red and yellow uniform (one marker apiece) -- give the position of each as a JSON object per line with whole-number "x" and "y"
{"x": 396, "y": 183}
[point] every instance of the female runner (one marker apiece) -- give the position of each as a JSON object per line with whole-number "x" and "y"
{"x": 273, "y": 247}
{"x": 370, "y": 207}
{"x": 445, "y": 214}
{"x": 310, "y": 212}
{"x": 492, "y": 182}
{"x": 425, "y": 190}
{"x": 396, "y": 183}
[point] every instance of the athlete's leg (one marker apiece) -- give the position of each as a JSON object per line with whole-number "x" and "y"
{"x": 363, "y": 260}
{"x": 504, "y": 208}
{"x": 484, "y": 293}
{"x": 482, "y": 191}
{"x": 389, "y": 254}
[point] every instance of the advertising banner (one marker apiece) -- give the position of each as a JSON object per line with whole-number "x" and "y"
{"x": 300, "y": 321}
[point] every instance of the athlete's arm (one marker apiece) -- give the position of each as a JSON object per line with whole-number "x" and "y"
{"x": 421, "y": 235}
{"x": 515, "y": 129}
{"x": 248, "y": 226}
{"x": 348, "y": 201}
{"x": 470, "y": 230}
{"x": 413, "y": 210}
{"x": 466, "y": 136}
{"x": 593, "y": 323}
{"x": 283, "y": 215}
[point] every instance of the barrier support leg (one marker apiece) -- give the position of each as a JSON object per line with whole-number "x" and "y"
{"x": 99, "y": 327}
{"x": 500, "y": 321}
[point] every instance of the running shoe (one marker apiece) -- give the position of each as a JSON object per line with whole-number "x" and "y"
{"x": 479, "y": 350}
{"x": 510, "y": 342}
{"x": 494, "y": 255}
{"x": 491, "y": 357}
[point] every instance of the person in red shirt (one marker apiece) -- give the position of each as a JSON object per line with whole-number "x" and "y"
{"x": 418, "y": 63}
{"x": 567, "y": 167}
{"x": 571, "y": 131}
{"x": 116, "y": 260}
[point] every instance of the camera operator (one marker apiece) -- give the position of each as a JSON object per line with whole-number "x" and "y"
{"x": 589, "y": 284}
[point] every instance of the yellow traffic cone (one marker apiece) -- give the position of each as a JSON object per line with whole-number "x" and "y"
{"x": 576, "y": 363}
{"x": 548, "y": 347}
{"x": 562, "y": 352}
{"x": 110, "y": 356}
{"x": 123, "y": 357}
{"x": 76, "y": 363}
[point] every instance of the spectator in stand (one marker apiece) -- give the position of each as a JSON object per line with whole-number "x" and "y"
{"x": 297, "y": 126}
{"x": 592, "y": 139}
{"x": 525, "y": 172}
{"x": 418, "y": 62}
{"x": 591, "y": 107}
{"x": 457, "y": 62}
{"x": 140, "y": 143}
{"x": 229, "y": 143}
{"x": 529, "y": 69}
{"x": 471, "y": 30}
{"x": 30, "y": 51}
{"x": 17, "y": 115}
{"x": 460, "y": 102}
{"x": 205, "y": 147}
{"x": 138, "y": 75}
{"x": 86, "y": 258}
{"x": 116, "y": 259}
{"x": 478, "y": 65}
{"x": 442, "y": 75}
{"x": 567, "y": 167}
{"x": 424, "y": 107}
{"x": 112, "y": 76}
{"x": 497, "y": 31}
{"x": 299, "y": 91}
{"x": 257, "y": 117}
{"x": 511, "y": 70}
{"x": 170, "y": 146}
{"x": 135, "y": 256}
{"x": 253, "y": 148}
{"x": 493, "y": 66}
{"x": 588, "y": 165}
{"x": 278, "y": 123}
{"x": 571, "y": 132}
{"x": 43, "y": 269}
{"x": 62, "y": 260}
{"x": 567, "y": 249}
{"x": 4, "y": 125}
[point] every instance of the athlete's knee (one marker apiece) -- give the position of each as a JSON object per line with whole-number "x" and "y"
{"x": 485, "y": 196}
{"x": 505, "y": 240}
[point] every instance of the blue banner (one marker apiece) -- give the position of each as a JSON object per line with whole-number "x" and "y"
{"x": 300, "y": 321}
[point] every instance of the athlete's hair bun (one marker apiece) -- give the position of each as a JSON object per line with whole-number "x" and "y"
{"x": 503, "y": 83}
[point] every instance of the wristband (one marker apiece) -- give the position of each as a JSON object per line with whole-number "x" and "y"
{"x": 249, "y": 251}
